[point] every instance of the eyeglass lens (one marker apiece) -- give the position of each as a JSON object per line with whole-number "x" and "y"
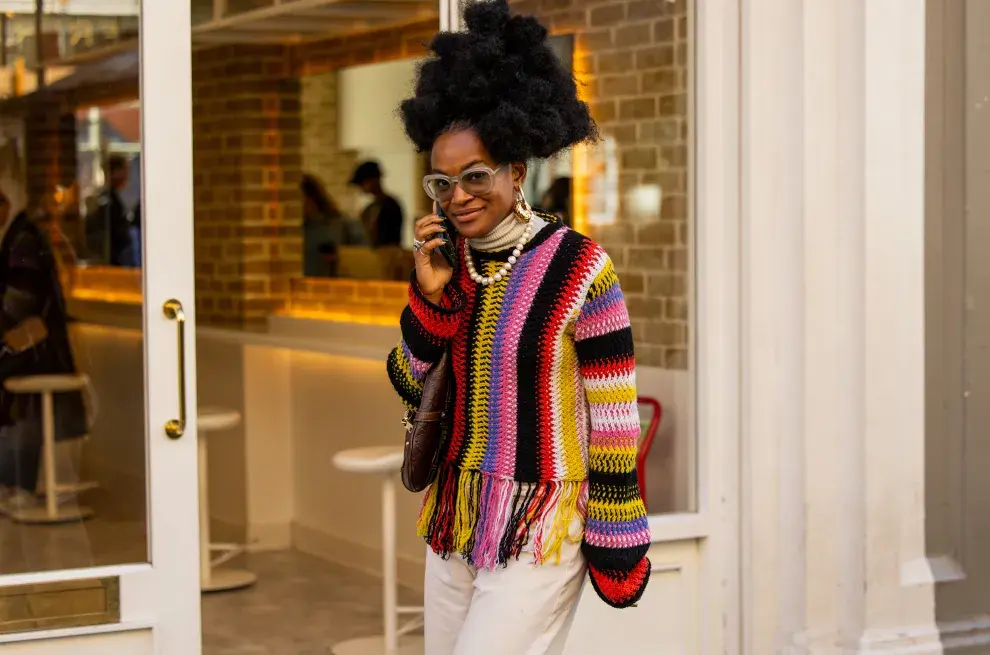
{"x": 475, "y": 183}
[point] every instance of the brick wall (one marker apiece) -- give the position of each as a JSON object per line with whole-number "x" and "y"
{"x": 247, "y": 164}
{"x": 632, "y": 57}
{"x": 368, "y": 48}
{"x": 364, "y": 301}
{"x": 50, "y": 148}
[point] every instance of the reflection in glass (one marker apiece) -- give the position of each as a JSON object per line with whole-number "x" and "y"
{"x": 630, "y": 192}
{"x": 66, "y": 37}
{"x": 326, "y": 229}
{"x": 109, "y": 183}
{"x": 240, "y": 6}
{"x": 358, "y": 150}
{"x": 72, "y": 494}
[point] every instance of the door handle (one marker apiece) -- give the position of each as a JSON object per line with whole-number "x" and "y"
{"x": 172, "y": 309}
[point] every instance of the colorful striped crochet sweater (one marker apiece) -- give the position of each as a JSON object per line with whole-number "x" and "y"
{"x": 545, "y": 421}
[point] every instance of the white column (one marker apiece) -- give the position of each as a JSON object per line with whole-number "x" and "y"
{"x": 899, "y": 595}
{"x": 772, "y": 290}
{"x": 833, "y": 323}
{"x": 450, "y": 15}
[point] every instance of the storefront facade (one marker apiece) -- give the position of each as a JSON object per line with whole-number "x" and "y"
{"x": 778, "y": 185}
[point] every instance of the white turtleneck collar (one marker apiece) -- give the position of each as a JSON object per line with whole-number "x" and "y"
{"x": 506, "y": 234}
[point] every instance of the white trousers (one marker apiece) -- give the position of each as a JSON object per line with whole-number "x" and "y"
{"x": 518, "y": 610}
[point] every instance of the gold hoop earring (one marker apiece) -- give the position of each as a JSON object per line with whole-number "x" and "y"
{"x": 522, "y": 210}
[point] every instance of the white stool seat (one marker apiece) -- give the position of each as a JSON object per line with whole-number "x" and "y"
{"x": 216, "y": 418}
{"x": 369, "y": 459}
{"x": 47, "y": 386}
{"x": 43, "y": 383}
{"x": 385, "y": 461}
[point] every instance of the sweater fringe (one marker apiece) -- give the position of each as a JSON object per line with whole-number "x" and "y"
{"x": 489, "y": 520}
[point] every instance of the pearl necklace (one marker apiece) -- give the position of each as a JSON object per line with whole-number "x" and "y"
{"x": 506, "y": 267}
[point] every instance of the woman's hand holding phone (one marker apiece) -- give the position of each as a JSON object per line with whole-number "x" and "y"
{"x": 433, "y": 271}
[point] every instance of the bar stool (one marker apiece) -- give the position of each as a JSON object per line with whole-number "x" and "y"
{"x": 211, "y": 578}
{"x": 384, "y": 461}
{"x": 47, "y": 386}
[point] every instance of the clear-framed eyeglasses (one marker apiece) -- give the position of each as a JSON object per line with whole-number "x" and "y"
{"x": 476, "y": 181}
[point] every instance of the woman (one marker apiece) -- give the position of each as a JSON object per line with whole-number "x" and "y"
{"x": 324, "y": 228}
{"x": 30, "y": 288}
{"x": 537, "y": 482}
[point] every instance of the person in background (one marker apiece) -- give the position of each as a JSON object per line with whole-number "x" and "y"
{"x": 383, "y": 217}
{"x": 325, "y": 228}
{"x": 108, "y": 227}
{"x": 30, "y": 287}
{"x": 557, "y": 200}
{"x": 135, "y": 232}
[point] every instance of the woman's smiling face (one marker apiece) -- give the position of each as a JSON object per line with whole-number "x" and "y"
{"x": 475, "y": 216}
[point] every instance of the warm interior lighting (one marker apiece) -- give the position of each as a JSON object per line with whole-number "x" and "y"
{"x": 579, "y": 183}
{"x": 343, "y": 316}
{"x": 366, "y": 302}
{"x": 106, "y": 284}
{"x": 643, "y": 202}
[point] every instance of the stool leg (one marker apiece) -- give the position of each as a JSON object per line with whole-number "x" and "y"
{"x": 204, "y": 514}
{"x": 389, "y": 574}
{"x": 48, "y": 452}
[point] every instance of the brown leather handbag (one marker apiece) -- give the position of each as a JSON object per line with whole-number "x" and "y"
{"x": 426, "y": 429}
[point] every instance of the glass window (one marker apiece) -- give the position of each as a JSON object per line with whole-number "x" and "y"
{"x": 361, "y": 190}
{"x": 631, "y": 193}
{"x": 282, "y": 127}
{"x": 69, "y": 204}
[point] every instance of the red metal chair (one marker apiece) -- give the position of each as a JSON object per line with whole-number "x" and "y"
{"x": 646, "y": 437}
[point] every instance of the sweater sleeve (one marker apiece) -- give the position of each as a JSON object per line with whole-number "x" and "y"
{"x": 617, "y": 535}
{"x": 427, "y": 330}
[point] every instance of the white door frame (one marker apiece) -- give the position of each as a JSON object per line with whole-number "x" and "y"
{"x": 163, "y": 595}
{"x": 716, "y": 106}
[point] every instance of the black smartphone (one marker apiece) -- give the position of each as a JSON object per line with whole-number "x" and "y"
{"x": 447, "y": 247}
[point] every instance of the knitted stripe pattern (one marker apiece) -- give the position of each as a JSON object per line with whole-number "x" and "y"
{"x": 545, "y": 420}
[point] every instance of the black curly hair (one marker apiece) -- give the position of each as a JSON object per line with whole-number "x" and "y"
{"x": 502, "y": 79}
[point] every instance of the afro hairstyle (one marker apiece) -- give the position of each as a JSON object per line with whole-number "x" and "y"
{"x": 500, "y": 78}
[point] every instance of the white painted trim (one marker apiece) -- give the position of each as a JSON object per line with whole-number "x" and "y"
{"x": 929, "y": 570}
{"x": 772, "y": 376}
{"x": 715, "y": 205}
{"x": 450, "y": 15}
{"x": 909, "y": 640}
{"x": 83, "y": 631}
{"x": 894, "y": 308}
{"x": 75, "y": 7}
{"x": 964, "y": 634}
{"x": 928, "y": 639}
{"x": 42, "y": 577}
{"x": 678, "y": 527}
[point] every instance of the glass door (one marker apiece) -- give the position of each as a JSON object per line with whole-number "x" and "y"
{"x": 98, "y": 474}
